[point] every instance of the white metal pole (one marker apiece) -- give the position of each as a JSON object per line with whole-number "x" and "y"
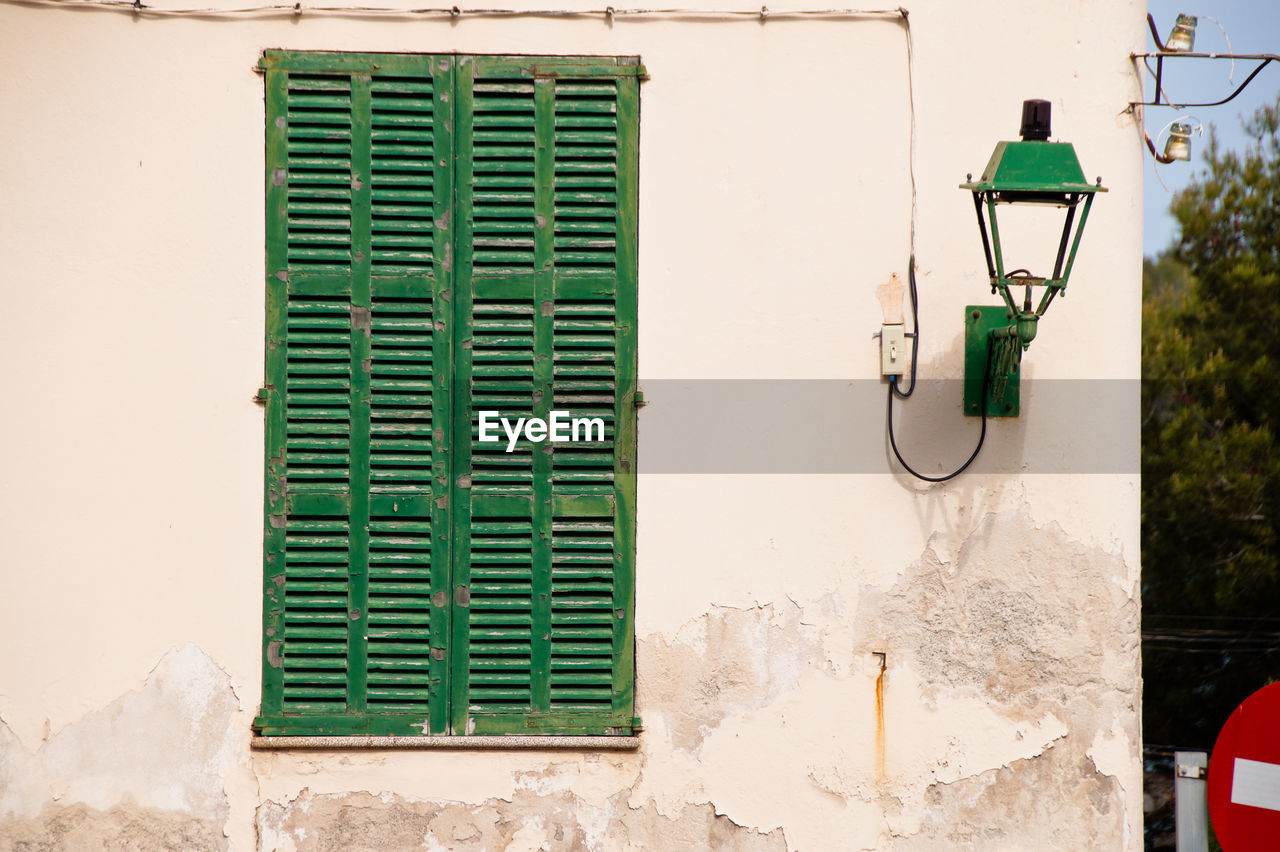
{"x": 1191, "y": 800}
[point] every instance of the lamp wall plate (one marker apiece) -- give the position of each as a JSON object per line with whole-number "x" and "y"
{"x": 893, "y": 349}
{"x": 979, "y": 355}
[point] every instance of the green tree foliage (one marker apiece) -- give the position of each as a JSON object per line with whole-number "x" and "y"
{"x": 1210, "y": 467}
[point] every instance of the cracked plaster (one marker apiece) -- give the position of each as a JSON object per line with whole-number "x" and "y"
{"x": 1004, "y": 678}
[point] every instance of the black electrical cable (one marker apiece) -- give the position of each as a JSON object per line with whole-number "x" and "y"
{"x": 981, "y": 437}
{"x": 894, "y": 391}
{"x": 915, "y": 333}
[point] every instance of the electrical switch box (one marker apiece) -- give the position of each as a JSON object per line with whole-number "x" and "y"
{"x": 893, "y": 350}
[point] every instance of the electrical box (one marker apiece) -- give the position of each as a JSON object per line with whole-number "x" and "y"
{"x": 893, "y": 350}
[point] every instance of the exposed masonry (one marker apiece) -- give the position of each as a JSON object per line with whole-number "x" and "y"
{"x": 146, "y": 771}
{"x": 1037, "y": 625}
{"x": 124, "y": 826}
{"x": 1058, "y": 800}
{"x": 527, "y": 821}
{"x": 724, "y": 664}
{"x": 1009, "y": 716}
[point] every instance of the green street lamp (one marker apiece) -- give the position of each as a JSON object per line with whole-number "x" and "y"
{"x": 1033, "y": 171}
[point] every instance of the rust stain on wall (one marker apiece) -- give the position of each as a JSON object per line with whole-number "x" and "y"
{"x": 880, "y": 721}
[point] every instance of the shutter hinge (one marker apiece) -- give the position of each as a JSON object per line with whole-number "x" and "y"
{"x": 261, "y": 396}
{"x": 640, "y": 401}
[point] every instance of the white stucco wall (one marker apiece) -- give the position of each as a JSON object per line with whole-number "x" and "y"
{"x": 774, "y": 198}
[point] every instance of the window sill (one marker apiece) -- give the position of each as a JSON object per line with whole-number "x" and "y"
{"x": 526, "y": 743}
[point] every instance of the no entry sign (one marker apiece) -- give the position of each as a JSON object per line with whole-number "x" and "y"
{"x": 1244, "y": 775}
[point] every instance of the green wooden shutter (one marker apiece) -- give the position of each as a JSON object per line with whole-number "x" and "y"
{"x": 417, "y": 580}
{"x": 544, "y": 536}
{"x": 359, "y": 192}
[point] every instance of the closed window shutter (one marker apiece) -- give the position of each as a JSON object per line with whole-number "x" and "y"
{"x": 359, "y": 191}
{"x": 419, "y": 581}
{"x": 544, "y": 547}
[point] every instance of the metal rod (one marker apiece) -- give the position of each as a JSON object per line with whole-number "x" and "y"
{"x": 1264, "y": 60}
{"x": 1000, "y": 284}
{"x": 1159, "y": 158}
{"x": 1155, "y": 34}
{"x": 1243, "y": 56}
{"x": 1066, "y": 235}
{"x": 982, "y": 229}
{"x": 1075, "y": 244}
{"x": 1046, "y": 300}
{"x": 995, "y": 235}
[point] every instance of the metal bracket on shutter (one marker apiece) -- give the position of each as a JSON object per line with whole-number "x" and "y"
{"x": 639, "y": 400}
{"x": 641, "y": 72}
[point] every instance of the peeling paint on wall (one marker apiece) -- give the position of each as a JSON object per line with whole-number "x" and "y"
{"x": 1056, "y": 800}
{"x": 1013, "y": 658}
{"x": 1006, "y": 718}
{"x": 726, "y": 662}
{"x": 121, "y": 827}
{"x": 1021, "y": 615}
{"x": 149, "y": 765}
{"x": 525, "y": 823}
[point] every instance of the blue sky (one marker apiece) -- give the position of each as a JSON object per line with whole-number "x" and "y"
{"x": 1253, "y": 27}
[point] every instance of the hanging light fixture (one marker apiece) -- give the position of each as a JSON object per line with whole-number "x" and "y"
{"x": 1183, "y": 36}
{"x": 1033, "y": 171}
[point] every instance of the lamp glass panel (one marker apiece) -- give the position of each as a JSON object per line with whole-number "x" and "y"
{"x": 1029, "y": 237}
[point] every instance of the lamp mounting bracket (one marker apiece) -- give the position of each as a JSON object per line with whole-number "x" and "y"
{"x": 1000, "y": 357}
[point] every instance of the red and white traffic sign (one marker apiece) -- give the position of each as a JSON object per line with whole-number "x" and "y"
{"x": 1244, "y": 775}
